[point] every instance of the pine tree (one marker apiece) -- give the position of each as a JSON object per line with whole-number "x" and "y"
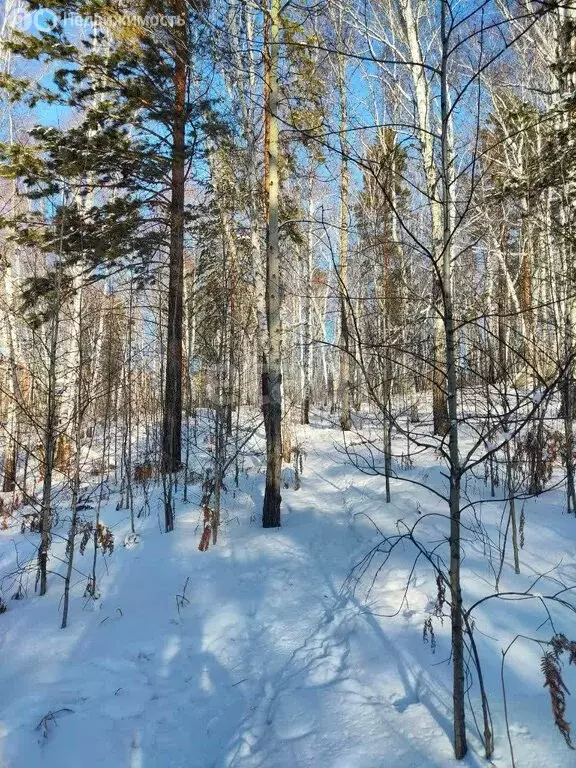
{"x": 142, "y": 123}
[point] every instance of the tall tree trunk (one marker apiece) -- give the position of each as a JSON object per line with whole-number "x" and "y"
{"x": 10, "y": 339}
{"x": 78, "y": 418}
{"x": 172, "y": 423}
{"x": 306, "y": 317}
{"x": 409, "y": 10}
{"x": 345, "y": 416}
{"x": 272, "y": 369}
{"x": 190, "y": 335}
{"x": 456, "y": 617}
{"x": 49, "y": 441}
{"x": 10, "y": 342}
{"x": 70, "y": 375}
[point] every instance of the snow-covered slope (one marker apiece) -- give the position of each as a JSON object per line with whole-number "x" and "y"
{"x": 258, "y": 653}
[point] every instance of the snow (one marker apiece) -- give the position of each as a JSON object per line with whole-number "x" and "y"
{"x": 262, "y": 652}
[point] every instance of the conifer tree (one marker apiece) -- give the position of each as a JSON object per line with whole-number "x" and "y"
{"x": 134, "y": 144}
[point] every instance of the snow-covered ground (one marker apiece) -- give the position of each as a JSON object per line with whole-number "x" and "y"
{"x": 260, "y": 653}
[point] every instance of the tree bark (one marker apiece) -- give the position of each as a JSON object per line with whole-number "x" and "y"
{"x": 172, "y": 422}
{"x": 272, "y": 363}
{"x": 306, "y": 318}
{"x": 345, "y": 416}
{"x": 456, "y": 613}
{"x": 49, "y": 446}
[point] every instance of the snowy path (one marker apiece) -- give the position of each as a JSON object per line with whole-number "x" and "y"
{"x": 268, "y": 663}
{"x": 336, "y": 700}
{"x": 345, "y": 696}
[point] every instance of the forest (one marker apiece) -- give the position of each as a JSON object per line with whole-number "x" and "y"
{"x": 287, "y": 383}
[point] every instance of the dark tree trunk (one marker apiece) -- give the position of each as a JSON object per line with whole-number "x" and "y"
{"x": 441, "y": 423}
{"x": 9, "y": 481}
{"x": 451, "y": 412}
{"x": 172, "y": 426}
{"x": 48, "y": 448}
{"x": 305, "y": 414}
{"x": 271, "y": 389}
